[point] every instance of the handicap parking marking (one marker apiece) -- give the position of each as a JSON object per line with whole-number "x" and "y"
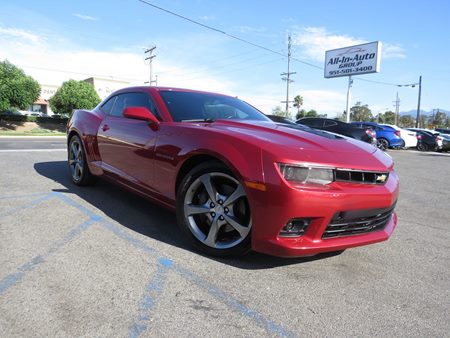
{"x": 155, "y": 286}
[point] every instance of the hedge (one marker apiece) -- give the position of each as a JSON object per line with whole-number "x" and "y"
{"x": 39, "y": 119}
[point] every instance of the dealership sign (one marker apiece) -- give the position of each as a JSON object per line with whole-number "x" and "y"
{"x": 353, "y": 60}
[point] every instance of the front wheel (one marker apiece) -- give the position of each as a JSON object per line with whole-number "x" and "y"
{"x": 79, "y": 169}
{"x": 213, "y": 211}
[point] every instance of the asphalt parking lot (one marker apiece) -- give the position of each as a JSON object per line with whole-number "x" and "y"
{"x": 100, "y": 261}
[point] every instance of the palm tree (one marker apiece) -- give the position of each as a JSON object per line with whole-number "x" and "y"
{"x": 298, "y": 102}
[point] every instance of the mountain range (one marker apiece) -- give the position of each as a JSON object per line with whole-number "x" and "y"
{"x": 423, "y": 112}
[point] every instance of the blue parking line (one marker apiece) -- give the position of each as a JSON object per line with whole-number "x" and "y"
{"x": 15, "y": 277}
{"x": 151, "y": 295}
{"x": 235, "y": 304}
{"x": 28, "y": 204}
{"x": 214, "y": 291}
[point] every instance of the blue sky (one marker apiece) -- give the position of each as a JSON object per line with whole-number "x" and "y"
{"x": 58, "y": 40}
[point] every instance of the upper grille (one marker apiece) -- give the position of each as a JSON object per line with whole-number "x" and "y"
{"x": 356, "y": 222}
{"x": 361, "y": 177}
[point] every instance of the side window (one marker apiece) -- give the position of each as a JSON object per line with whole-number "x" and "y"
{"x": 313, "y": 123}
{"x": 330, "y": 123}
{"x": 107, "y": 106}
{"x": 133, "y": 100}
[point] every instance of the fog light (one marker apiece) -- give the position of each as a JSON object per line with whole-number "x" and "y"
{"x": 295, "y": 227}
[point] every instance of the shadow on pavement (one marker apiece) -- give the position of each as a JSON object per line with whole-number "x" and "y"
{"x": 148, "y": 219}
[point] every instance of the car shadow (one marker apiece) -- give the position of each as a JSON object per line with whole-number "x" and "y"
{"x": 148, "y": 219}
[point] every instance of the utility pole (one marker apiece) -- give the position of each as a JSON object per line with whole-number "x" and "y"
{"x": 150, "y": 58}
{"x": 418, "y": 102}
{"x": 287, "y": 76}
{"x": 349, "y": 99}
{"x": 397, "y": 108}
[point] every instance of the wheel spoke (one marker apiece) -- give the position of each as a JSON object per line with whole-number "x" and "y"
{"x": 74, "y": 149}
{"x": 79, "y": 153}
{"x": 243, "y": 230}
{"x": 71, "y": 161}
{"x": 78, "y": 170}
{"x": 192, "y": 209}
{"x": 211, "y": 239}
{"x": 238, "y": 193}
{"x": 210, "y": 189}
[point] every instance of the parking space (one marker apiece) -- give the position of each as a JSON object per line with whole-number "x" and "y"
{"x": 100, "y": 261}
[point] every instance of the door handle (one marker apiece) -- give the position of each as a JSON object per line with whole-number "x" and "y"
{"x": 105, "y": 127}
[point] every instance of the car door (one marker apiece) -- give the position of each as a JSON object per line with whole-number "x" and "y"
{"x": 126, "y": 146}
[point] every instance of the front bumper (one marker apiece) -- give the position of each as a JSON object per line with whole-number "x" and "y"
{"x": 272, "y": 209}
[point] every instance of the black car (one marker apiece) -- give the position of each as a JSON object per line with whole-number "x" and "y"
{"x": 280, "y": 119}
{"x": 426, "y": 140}
{"x": 339, "y": 127}
{"x": 443, "y": 131}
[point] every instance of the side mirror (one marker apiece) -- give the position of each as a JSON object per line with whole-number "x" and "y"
{"x": 140, "y": 113}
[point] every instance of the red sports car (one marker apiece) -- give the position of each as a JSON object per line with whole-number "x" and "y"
{"x": 237, "y": 180}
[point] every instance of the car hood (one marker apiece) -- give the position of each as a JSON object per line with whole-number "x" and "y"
{"x": 292, "y": 144}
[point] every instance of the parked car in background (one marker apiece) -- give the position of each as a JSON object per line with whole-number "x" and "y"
{"x": 341, "y": 128}
{"x": 443, "y": 131}
{"x": 387, "y": 137}
{"x": 445, "y": 142}
{"x": 280, "y": 119}
{"x": 237, "y": 180}
{"x": 409, "y": 137}
{"x": 427, "y": 139}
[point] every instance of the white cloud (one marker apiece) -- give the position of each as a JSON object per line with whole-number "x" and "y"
{"x": 19, "y": 33}
{"x": 50, "y": 63}
{"x": 314, "y": 41}
{"x": 86, "y": 17}
{"x": 389, "y": 51}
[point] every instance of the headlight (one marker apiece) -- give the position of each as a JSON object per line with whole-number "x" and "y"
{"x": 306, "y": 175}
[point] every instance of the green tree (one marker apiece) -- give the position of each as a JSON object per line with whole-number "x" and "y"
{"x": 388, "y": 117}
{"x": 360, "y": 112}
{"x": 406, "y": 121}
{"x": 278, "y": 111}
{"x": 17, "y": 90}
{"x": 74, "y": 95}
{"x": 298, "y": 103}
{"x": 440, "y": 118}
{"x": 311, "y": 113}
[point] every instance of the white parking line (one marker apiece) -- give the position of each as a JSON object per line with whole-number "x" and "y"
{"x": 30, "y": 150}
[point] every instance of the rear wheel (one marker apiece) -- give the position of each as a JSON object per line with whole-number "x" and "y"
{"x": 79, "y": 169}
{"x": 422, "y": 146}
{"x": 213, "y": 211}
{"x": 382, "y": 143}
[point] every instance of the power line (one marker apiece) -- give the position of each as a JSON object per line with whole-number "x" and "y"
{"x": 225, "y": 33}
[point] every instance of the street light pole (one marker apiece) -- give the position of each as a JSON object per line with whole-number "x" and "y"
{"x": 418, "y": 102}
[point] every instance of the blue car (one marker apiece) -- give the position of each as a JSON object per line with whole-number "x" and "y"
{"x": 387, "y": 137}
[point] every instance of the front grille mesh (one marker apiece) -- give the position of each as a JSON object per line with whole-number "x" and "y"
{"x": 341, "y": 225}
{"x": 361, "y": 177}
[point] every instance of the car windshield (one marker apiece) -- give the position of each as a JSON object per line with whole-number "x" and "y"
{"x": 194, "y": 107}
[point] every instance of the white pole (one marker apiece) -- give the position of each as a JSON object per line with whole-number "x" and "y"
{"x": 349, "y": 98}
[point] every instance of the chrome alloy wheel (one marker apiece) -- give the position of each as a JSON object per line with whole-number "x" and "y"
{"x": 216, "y": 210}
{"x": 76, "y": 159}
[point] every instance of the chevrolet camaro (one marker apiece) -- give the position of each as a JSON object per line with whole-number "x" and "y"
{"x": 236, "y": 180}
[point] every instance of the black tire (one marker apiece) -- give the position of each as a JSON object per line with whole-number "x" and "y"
{"x": 382, "y": 143}
{"x": 213, "y": 211}
{"x": 76, "y": 160}
{"x": 422, "y": 146}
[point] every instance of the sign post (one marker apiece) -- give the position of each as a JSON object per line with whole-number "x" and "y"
{"x": 352, "y": 60}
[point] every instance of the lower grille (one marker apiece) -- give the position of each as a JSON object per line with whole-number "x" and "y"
{"x": 348, "y": 223}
